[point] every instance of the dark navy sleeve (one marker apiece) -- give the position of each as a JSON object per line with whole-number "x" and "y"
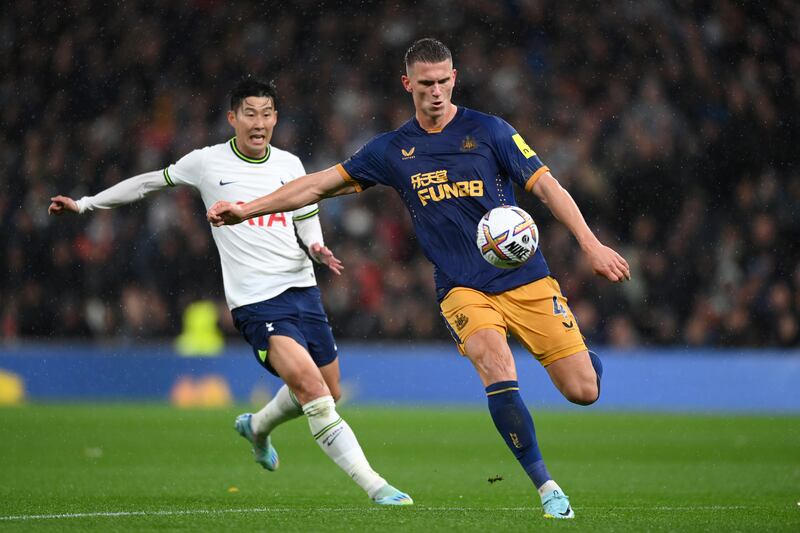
{"x": 519, "y": 161}
{"x": 367, "y": 167}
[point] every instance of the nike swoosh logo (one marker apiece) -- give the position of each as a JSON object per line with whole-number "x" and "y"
{"x": 223, "y": 183}
{"x": 332, "y": 437}
{"x": 568, "y": 325}
{"x": 569, "y": 510}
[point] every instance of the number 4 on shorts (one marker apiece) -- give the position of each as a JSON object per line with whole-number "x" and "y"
{"x": 558, "y": 309}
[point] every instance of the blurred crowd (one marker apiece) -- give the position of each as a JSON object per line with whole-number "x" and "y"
{"x": 675, "y": 126}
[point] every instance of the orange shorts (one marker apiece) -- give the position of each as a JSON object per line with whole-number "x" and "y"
{"x": 536, "y": 314}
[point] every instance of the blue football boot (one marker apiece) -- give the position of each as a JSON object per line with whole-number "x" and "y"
{"x": 389, "y": 495}
{"x": 265, "y": 453}
{"x": 556, "y": 505}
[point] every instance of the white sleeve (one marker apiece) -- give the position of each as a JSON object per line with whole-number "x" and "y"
{"x": 306, "y": 211}
{"x": 188, "y": 170}
{"x": 309, "y": 230}
{"x": 124, "y": 192}
{"x": 305, "y": 219}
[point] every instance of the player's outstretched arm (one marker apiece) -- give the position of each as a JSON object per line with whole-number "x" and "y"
{"x": 62, "y": 204}
{"x": 124, "y": 192}
{"x": 297, "y": 193}
{"x": 605, "y": 261}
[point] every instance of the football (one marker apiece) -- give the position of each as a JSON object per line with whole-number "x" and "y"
{"x": 507, "y": 236}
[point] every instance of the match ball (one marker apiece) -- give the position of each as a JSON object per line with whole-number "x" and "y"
{"x": 507, "y": 236}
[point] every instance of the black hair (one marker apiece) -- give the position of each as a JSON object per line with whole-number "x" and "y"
{"x": 253, "y": 87}
{"x": 427, "y": 50}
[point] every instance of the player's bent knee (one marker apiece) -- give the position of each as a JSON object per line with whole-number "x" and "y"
{"x": 595, "y": 396}
{"x": 582, "y": 393}
{"x": 308, "y": 388}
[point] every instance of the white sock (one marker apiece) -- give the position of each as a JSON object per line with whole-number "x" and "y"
{"x": 282, "y": 407}
{"x": 339, "y": 442}
{"x": 548, "y": 487}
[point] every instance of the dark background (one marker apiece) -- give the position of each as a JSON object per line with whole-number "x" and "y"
{"x": 673, "y": 124}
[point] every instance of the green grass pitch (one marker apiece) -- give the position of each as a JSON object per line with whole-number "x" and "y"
{"x": 143, "y": 467}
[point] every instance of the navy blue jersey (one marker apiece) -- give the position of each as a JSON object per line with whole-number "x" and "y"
{"x": 449, "y": 179}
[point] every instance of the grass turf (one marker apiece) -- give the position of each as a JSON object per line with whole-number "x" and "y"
{"x": 155, "y": 467}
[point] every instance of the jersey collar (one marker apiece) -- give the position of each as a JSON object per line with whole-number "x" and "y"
{"x": 459, "y": 112}
{"x": 243, "y": 157}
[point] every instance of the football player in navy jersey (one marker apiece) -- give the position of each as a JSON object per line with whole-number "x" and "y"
{"x": 451, "y": 165}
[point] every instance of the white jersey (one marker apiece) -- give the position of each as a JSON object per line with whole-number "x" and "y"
{"x": 260, "y": 257}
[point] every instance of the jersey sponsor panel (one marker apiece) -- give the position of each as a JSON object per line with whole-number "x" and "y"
{"x": 436, "y": 186}
{"x": 448, "y": 181}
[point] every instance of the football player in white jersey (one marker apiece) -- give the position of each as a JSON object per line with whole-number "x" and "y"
{"x": 268, "y": 278}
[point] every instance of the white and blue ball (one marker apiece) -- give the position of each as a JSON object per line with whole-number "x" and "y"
{"x": 507, "y": 236}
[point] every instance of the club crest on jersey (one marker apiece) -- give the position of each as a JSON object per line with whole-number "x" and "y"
{"x": 436, "y": 186}
{"x": 468, "y": 143}
{"x": 408, "y": 154}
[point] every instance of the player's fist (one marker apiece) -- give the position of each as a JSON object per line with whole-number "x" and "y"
{"x": 225, "y": 214}
{"x": 62, "y": 204}
{"x": 322, "y": 254}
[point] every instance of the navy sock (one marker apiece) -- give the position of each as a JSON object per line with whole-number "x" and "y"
{"x": 598, "y": 368}
{"x": 514, "y": 422}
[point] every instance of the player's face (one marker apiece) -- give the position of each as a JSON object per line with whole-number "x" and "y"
{"x": 254, "y": 121}
{"x": 431, "y": 87}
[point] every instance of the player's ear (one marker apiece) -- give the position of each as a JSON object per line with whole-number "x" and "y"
{"x": 406, "y": 83}
{"x": 455, "y": 72}
{"x": 232, "y": 118}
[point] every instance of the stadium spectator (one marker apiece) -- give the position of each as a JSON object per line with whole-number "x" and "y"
{"x": 638, "y": 106}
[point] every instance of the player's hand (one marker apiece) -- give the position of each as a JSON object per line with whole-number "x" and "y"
{"x": 322, "y": 254}
{"x": 608, "y": 263}
{"x": 62, "y": 204}
{"x": 225, "y": 214}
